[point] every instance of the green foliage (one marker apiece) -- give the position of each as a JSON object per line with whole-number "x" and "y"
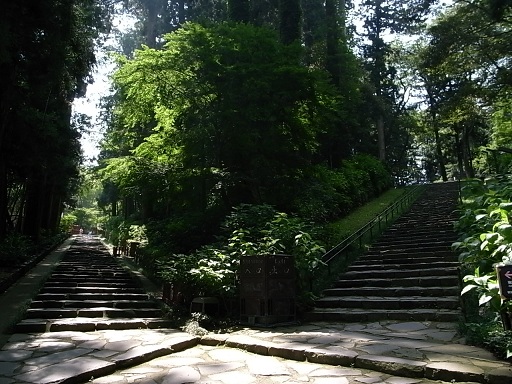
{"x": 15, "y": 249}
{"x": 220, "y": 116}
{"x": 138, "y": 234}
{"x": 248, "y": 216}
{"x": 501, "y": 137}
{"x": 47, "y": 53}
{"x": 66, "y": 222}
{"x": 487, "y": 238}
{"x": 330, "y": 193}
{"x": 465, "y": 71}
{"x": 338, "y": 230}
{"x": 116, "y": 231}
{"x": 212, "y": 268}
{"x": 489, "y": 334}
{"x": 86, "y": 218}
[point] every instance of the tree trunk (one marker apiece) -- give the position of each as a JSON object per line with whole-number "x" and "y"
{"x": 466, "y": 154}
{"x": 52, "y": 210}
{"x": 342, "y": 11}
{"x": 181, "y": 12}
{"x": 151, "y": 22}
{"x": 381, "y": 138}
{"x": 333, "y": 64}
{"x": 239, "y": 10}
{"x": 3, "y": 200}
{"x": 439, "y": 153}
{"x": 114, "y": 208}
{"x": 32, "y": 217}
{"x": 458, "y": 146}
{"x": 146, "y": 205}
{"x": 289, "y": 21}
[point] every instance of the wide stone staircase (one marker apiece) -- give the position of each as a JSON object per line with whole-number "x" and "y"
{"x": 409, "y": 274}
{"x": 90, "y": 291}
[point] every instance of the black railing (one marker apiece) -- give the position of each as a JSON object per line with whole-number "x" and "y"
{"x": 374, "y": 227}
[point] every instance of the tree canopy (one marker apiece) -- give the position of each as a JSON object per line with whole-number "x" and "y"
{"x": 220, "y": 103}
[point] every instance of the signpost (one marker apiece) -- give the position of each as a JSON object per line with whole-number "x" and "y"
{"x": 504, "y": 274}
{"x": 267, "y": 289}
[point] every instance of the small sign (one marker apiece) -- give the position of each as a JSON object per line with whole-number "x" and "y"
{"x": 505, "y": 281}
{"x": 267, "y": 266}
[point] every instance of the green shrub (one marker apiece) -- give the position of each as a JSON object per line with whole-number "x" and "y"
{"x": 248, "y": 230}
{"x": 327, "y": 194}
{"x": 486, "y": 241}
{"x": 14, "y": 249}
{"x": 488, "y": 333}
{"x": 66, "y": 222}
{"x": 379, "y": 176}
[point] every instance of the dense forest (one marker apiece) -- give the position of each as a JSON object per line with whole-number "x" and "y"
{"x": 224, "y": 110}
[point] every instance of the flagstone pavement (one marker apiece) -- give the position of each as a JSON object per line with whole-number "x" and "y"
{"x": 318, "y": 353}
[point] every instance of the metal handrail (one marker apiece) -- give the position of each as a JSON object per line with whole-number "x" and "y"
{"x": 389, "y": 213}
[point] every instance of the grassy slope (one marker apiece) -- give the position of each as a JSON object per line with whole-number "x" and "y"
{"x": 344, "y": 227}
{"x": 347, "y": 225}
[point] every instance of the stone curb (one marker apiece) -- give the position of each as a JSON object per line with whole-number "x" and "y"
{"x": 444, "y": 371}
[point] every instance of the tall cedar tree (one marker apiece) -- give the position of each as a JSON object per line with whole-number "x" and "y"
{"x": 46, "y": 53}
{"x": 289, "y": 21}
{"x": 239, "y": 10}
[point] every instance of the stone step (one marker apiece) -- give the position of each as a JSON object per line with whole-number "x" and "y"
{"x": 425, "y": 221}
{"x": 411, "y": 265}
{"x": 97, "y": 312}
{"x": 405, "y": 261}
{"x": 97, "y": 284}
{"x": 93, "y": 303}
{"x": 414, "y": 236}
{"x": 409, "y": 274}
{"x": 398, "y": 273}
{"x": 393, "y": 240}
{"x": 92, "y": 296}
{"x": 426, "y": 245}
{"x": 416, "y": 254}
{"x": 91, "y": 274}
{"x": 390, "y": 303}
{"x": 85, "y": 324}
{"x": 372, "y": 315}
{"x": 395, "y": 291}
{"x": 424, "y": 281}
{"x": 89, "y": 289}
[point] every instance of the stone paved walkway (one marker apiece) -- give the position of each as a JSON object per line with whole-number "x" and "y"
{"x": 317, "y": 353}
{"x": 394, "y": 353}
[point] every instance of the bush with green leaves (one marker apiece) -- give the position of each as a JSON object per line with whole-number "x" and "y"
{"x": 15, "y": 249}
{"x": 138, "y": 233}
{"x": 328, "y": 193}
{"x": 248, "y": 230}
{"x": 490, "y": 335}
{"x": 487, "y": 238}
{"x": 66, "y": 222}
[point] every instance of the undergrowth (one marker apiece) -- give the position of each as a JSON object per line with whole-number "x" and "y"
{"x": 488, "y": 333}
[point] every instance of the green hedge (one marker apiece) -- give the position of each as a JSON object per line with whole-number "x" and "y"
{"x": 328, "y": 193}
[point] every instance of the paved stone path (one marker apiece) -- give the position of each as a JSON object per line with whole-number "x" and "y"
{"x": 318, "y": 352}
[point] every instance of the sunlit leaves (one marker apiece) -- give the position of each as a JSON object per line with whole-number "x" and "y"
{"x": 490, "y": 238}
{"x": 228, "y": 97}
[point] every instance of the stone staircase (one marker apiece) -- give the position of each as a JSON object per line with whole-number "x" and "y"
{"x": 90, "y": 291}
{"x": 409, "y": 274}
